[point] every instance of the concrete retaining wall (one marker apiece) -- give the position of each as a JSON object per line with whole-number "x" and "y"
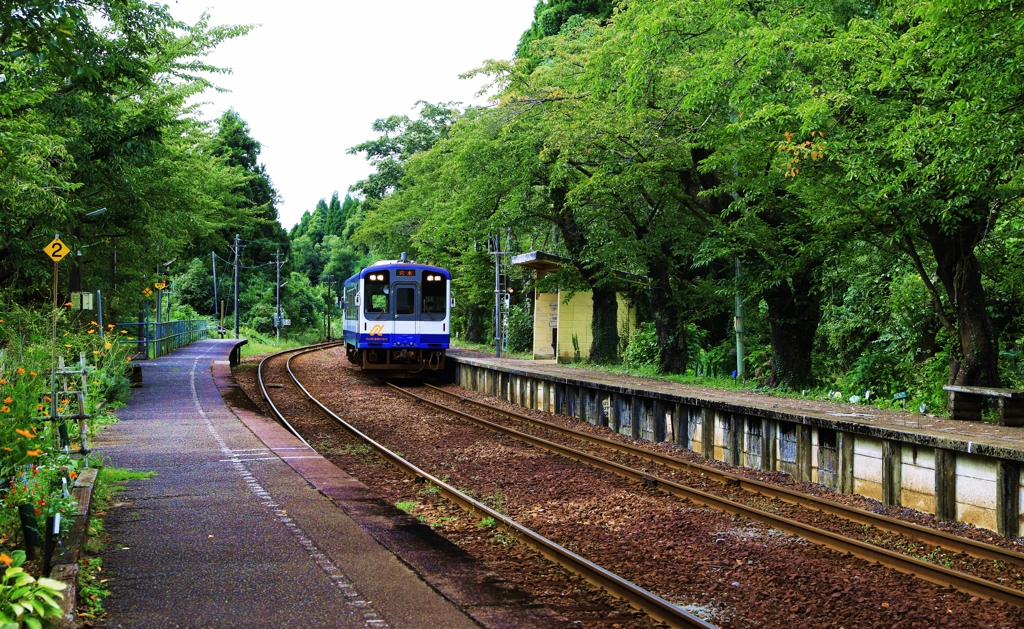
{"x": 952, "y": 478}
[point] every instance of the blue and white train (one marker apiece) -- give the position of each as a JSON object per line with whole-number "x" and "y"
{"x": 398, "y": 316}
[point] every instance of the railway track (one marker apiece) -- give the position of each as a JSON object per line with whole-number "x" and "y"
{"x": 651, "y": 604}
{"x": 932, "y": 573}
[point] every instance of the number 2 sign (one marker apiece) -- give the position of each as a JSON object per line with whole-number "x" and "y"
{"x": 56, "y": 250}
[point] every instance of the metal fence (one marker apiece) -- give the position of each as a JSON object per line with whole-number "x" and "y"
{"x": 156, "y": 339}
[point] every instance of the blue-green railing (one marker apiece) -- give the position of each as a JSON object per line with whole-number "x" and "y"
{"x": 156, "y": 339}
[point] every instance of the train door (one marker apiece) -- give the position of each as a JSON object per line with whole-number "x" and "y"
{"x": 434, "y": 310}
{"x": 406, "y": 312}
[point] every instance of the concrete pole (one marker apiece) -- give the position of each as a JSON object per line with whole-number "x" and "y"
{"x": 213, "y": 263}
{"x": 237, "y": 248}
{"x": 277, "y": 320}
{"x": 740, "y": 369}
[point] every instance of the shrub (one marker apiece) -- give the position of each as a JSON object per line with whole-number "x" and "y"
{"x": 643, "y": 351}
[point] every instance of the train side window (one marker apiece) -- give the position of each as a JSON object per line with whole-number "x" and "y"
{"x": 405, "y": 303}
{"x": 435, "y": 288}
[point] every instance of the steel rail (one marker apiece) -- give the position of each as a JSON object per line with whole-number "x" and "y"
{"x": 266, "y": 396}
{"x": 652, "y": 604}
{"x": 901, "y": 563}
{"x": 948, "y": 541}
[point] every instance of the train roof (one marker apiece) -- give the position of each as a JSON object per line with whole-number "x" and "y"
{"x": 397, "y": 264}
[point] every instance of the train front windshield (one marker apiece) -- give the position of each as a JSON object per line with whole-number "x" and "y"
{"x": 378, "y": 289}
{"x": 435, "y": 289}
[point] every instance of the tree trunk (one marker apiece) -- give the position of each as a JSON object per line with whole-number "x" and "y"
{"x": 604, "y": 320}
{"x": 604, "y": 326}
{"x": 671, "y": 340}
{"x": 960, "y": 273}
{"x": 794, "y": 311}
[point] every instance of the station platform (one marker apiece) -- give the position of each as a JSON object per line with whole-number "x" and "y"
{"x": 984, "y": 437}
{"x": 244, "y": 526}
{"x": 966, "y": 471}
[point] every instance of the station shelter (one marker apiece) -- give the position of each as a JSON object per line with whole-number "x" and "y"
{"x": 557, "y": 317}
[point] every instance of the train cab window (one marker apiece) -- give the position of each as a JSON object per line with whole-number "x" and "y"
{"x": 377, "y": 290}
{"x": 435, "y": 289}
{"x": 405, "y": 300}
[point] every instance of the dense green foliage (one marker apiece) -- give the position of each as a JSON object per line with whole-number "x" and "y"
{"x": 861, "y": 161}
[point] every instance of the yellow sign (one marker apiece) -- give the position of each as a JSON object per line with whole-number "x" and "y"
{"x": 160, "y": 285}
{"x": 56, "y": 250}
{"x": 147, "y": 291}
{"x": 377, "y": 330}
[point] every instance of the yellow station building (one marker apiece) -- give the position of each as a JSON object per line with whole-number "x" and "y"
{"x": 556, "y": 321}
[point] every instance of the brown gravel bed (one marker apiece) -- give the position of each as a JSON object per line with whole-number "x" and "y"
{"x": 740, "y": 574}
{"x": 581, "y": 604}
{"x": 1010, "y": 575}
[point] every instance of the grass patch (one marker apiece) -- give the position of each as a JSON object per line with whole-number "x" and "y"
{"x": 407, "y": 505}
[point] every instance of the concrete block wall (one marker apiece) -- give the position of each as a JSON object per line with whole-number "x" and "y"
{"x": 545, "y": 321}
{"x": 574, "y": 317}
{"x": 955, "y": 480}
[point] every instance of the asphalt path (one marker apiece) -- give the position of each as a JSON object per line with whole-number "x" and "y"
{"x": 227, "y": 534}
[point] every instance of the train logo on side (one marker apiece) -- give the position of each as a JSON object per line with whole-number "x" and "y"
{"x": 377, "y": 330}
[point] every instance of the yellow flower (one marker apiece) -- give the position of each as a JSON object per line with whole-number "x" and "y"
{"x": 128, "y": 359}
{"x": 96, "y": 352}
{"x": 5, "y": 408}
{"x": 110, "y": 326}
{"x": 33, "y": 374}
{"x": 107, "y": 346}
{"x": 24, "y": 433}
{"x": 91, "y": 332}
{"x": 5, "y": 558}
{"x": 93, "y": 323}
{"x": 124, "y": 331}
{"x": 34, "y": 452}
{"x": 68, "y": 345}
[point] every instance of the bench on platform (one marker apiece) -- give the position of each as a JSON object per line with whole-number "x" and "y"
{"x": 965, "y": 403}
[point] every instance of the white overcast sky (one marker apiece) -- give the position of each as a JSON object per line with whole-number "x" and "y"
{"x": 312, "y": 78}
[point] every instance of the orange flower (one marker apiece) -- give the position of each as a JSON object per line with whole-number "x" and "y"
{"x": 20, "y": 370}
{"x": 34, "y": 452}
{"x": 5, "y": 408}
{"x": 33, "y": 374}
{"x": 72, "y": 474}
{"x": 24, "y": 433}
{"x": 8, "y": 400}
{"x": 68, "y": 305}
{"x": 6, "y": 559}
{"x": 7, "y": 449}
{"x": 47, "y": 398}
{"x": 128, "y": 359}
{"x": 39, "y": 407}
{"x": 3, "y": 381}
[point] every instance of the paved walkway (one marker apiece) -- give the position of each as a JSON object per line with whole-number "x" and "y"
{"x": 227, "y": 534}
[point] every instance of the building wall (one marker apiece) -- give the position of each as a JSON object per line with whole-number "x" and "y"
{"x": 545, "y": 322}
{"x": 574, "y": 317}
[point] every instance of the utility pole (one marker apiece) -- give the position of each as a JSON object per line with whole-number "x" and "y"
{"x": 237, "y": 248}
{"x": 499, "y": 292}
{"x": 329, "y": 278}
{"x": 213, "y": 262}
{"x": 740, "y": 370}
{"x": 277, "y": 317}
